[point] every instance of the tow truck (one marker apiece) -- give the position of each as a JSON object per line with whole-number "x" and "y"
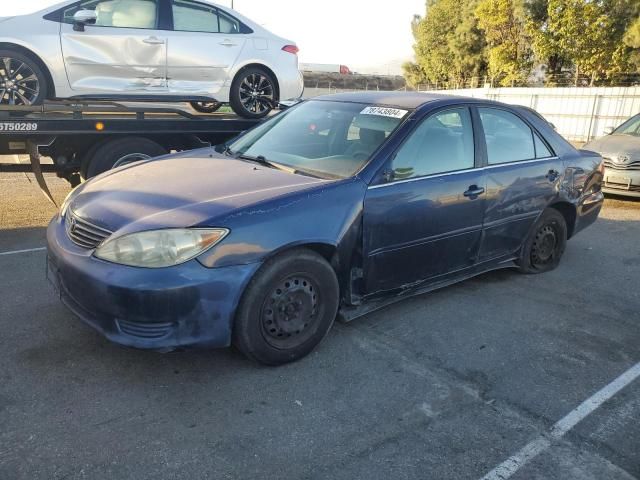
{"x": 88, "y": 136}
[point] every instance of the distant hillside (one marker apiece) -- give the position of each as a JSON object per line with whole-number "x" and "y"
{"x": 353, "y": 82}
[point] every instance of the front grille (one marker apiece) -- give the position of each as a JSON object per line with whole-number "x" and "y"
{"x": 83, "y": 233}
{"x": 145, "y": 330}
{"x": 633, "y": 165}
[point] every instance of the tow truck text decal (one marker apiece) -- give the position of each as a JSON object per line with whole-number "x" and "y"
{"x": 18, "y": 127}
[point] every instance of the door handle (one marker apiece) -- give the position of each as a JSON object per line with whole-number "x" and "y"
{"x": 474, "y": 191}
{"x": 552, "y": 175}
{"x": 228, "y": 43}
{"x": 154, "y": 41}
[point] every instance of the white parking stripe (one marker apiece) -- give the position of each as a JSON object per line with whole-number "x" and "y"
{"x": 15, "y": 252}
{"x": 510, "y": 466}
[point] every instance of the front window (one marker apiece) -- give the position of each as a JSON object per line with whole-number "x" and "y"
{"x": 118, "y": 13}
{"x": 630, "y": 127}
{"x": 323, "y": 138}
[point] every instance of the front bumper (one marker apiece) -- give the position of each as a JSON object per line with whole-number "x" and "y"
{"x": 187, "y": 306}
{"x": 622, "y": 182}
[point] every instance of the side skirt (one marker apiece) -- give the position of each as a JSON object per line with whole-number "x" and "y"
{"x": 348, "y": 313}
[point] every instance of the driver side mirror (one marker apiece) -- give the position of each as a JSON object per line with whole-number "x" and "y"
{"x": 82, "y": 18}
{"x": 608, "y": 130}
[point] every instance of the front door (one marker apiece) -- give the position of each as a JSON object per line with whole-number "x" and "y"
{"x": 124, "y": 52}
{"x": 426, "y": 220}
{"x": 203, "y": 47}
{"x": 523, "y": 177}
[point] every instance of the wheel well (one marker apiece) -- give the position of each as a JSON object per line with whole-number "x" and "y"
{"x": 51, "y": 88}
{"x": 568, "y": 211}
{"x": 266, "y": 69}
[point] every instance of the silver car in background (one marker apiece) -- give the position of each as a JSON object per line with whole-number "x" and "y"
{"x": 146, "y": 48}
{"x": 621, "y": 152}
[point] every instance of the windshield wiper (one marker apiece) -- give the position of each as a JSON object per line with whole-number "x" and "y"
{"x": 261, "y": 159}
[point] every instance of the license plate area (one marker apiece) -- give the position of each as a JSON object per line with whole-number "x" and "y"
{"x": 616, "y": 181}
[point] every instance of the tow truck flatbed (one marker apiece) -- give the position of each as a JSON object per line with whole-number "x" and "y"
{"x": 86, "y": 137}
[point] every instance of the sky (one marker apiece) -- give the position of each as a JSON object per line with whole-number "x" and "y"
{"x": 366, "y": 35}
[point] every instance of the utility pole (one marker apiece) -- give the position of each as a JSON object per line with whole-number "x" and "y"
{"x": 232, "y": 5}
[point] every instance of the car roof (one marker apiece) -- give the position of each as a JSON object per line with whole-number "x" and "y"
{"x": 409, "y": 100}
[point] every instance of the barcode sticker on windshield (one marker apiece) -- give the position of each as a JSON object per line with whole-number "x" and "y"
{"x": 384, "y": 112}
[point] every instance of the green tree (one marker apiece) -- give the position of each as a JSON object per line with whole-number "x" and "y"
{"x": 509, "y": 51}
{"x": 587, "y": 33}
{"x": 544, "y": 41}
{"x": 449, "y": 46}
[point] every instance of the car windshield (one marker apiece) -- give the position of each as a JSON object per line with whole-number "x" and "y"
{"x": 630, "y": 127}
{"x": 327, "y": 139}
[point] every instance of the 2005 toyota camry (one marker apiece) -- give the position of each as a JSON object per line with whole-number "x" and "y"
{"x": 336, "y": 206}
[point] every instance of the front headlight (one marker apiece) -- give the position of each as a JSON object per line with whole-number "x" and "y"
{"x": 160, "y": 248}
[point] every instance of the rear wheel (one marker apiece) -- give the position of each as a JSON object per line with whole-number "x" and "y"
{"x": 22, "y": 81}
{"x": 206, "y": 107}
{"x": 118, "y": 152}
{"x": 253, "y": 93}
{"x": 546, "y": 243}
{"x": 287, "y": 309}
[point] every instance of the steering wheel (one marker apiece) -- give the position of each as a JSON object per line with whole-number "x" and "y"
{"x": 361, "y": 155}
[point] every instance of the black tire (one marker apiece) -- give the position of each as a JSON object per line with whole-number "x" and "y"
{"x": 24, "y": 82}
{"x": 117, "y": 152}
{"x": 546, "y": 243}
{"x": 206, "y": 107}
{"x": 287, "y": 308}
{"x": 265, "y": 89}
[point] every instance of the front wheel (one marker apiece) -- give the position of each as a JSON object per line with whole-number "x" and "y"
{"x": 287, "y": 309}
{"x": 22, "y": 81}
{"x": 253, "y": 93}
{"x": 546, "y": 243}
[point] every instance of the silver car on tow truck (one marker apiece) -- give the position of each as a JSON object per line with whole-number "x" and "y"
{"x": 621, "y": 152}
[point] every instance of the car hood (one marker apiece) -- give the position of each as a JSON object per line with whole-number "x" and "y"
{"x": 4, "y": 19}
{"x": 614, "y": 145}
{"x": 181, "y": 191}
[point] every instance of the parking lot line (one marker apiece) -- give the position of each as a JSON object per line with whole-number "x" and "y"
{"x": 29, "y": 250}
{"x": 510, "y": 466}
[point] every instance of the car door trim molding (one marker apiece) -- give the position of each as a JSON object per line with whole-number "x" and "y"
{"x": 426, "y": 177}
{"x": 425, "y": 240}
{"x": 520, "y": 162}
{"x": 459, "y": 172}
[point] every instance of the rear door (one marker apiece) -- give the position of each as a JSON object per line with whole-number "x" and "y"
{"x": 124, "y": 52}
{"x": 523, "y": 177}
{"x": 203, "y": 47}
{"x": 425, "y": 221}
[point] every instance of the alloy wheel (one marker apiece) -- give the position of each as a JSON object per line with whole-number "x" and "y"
{"x": 19, "y": 84}
{"x": 257, "y": 93}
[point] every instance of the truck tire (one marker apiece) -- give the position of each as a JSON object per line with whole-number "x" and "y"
{"x": 206, "y": 107}
{"x": 117, "y": 152}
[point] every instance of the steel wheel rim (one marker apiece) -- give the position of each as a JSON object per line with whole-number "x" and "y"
{"x": 544, "y": 246}
{"x": 19, "y": 84}
{"x": 257, "y": 93}
{"x": 290, "y": 312}
{"x": 131, "y": 158}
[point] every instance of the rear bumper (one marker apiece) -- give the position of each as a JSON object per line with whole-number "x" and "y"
{"x": 587, "y": 211}
{"x": 187, "y": 306}
{"x": 292, "y": 85}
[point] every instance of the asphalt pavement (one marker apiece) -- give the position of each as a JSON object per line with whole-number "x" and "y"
{"x": 505, "y": 375}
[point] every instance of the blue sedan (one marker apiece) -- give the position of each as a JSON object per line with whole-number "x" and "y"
{"x": 332, "y": 208}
